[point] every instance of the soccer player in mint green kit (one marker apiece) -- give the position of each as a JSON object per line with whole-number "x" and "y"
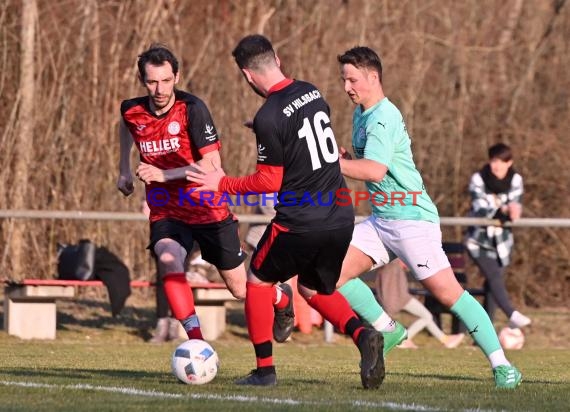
{"x": 404, "y": 221}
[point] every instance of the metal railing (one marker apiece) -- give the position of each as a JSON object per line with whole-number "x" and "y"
{"x": 249, "y": 218}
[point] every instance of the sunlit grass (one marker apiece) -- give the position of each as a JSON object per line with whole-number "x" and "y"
{"x": 312, "y": 376}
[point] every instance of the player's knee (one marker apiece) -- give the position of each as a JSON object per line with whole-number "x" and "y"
{"x": 345, "y": 276}
{"x": 166, "y": 258}
{"x": 170, "y": 263}
{"x": 237, "y": 291}
{"x": 235, "y": 280}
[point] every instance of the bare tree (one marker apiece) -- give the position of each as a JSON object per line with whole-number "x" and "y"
{"x": 465, "y": 75}
{"x": 24, "y": 142}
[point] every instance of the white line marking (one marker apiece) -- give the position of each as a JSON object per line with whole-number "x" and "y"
{"x": 235, "y": 398}
{"x": 126, "y": 391}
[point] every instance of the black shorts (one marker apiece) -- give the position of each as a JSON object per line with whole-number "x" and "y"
{"x": 315, "y": 256}
{"x": 219, "y": 242}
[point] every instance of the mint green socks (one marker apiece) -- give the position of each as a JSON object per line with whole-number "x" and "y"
{"x": 477, "y": 322}
{"x": 362, "y": 300}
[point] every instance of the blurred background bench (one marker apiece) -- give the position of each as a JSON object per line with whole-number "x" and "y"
{"x": 30, "y": 310}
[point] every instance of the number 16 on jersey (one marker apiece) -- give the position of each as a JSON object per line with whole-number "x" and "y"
{"x": 319, "y": 127}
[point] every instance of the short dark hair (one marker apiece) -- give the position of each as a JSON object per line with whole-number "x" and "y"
{"x": 500, "y": 151}
{"x": 254, "y": 52}
{"x": 362, "y": 57}
{"x": 157, "y": 55}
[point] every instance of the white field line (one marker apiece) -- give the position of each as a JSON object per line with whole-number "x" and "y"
{"x": 227, "y": 398}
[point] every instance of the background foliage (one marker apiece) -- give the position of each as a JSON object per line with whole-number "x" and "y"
{"x": 465, "y": 75}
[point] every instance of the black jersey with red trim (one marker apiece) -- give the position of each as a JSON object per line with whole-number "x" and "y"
{"x": 293, "y": 131}
{"x": 175, "y": 139}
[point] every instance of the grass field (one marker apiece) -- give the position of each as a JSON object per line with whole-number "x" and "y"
{"x": 110, "y": 368}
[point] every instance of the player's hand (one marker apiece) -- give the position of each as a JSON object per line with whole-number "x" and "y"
{"x": 207, "y": 180}
{"x": 125, "y": 184}
{"x": 344, "y": 154}
{"x": 148, "y": 173}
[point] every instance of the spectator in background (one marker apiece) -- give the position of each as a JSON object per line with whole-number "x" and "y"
{"x": 392, "y": 291}
{"x": 496, "y": 192}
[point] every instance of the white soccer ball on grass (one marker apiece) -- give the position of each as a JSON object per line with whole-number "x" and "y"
{"x": 195, "y": 362}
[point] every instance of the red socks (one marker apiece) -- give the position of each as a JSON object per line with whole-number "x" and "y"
{"x": 259, "y": 302}
{"x": 280, "y": 299}
{"x": 259, "y": 316}
{"x": 337, "y": 311}
{"x": 181, "y": 303}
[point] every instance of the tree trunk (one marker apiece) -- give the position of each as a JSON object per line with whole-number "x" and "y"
{"x": 25, "y": 133}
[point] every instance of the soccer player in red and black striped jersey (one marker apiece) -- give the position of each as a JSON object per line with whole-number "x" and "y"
{"x": 297, "y": 156}
{"x": 173, "y": 129}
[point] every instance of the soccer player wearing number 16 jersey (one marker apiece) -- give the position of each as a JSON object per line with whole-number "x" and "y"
{"x": 297, "y": 156}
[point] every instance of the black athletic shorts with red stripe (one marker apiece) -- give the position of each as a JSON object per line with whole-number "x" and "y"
{"x": 219, "y": 242}
{"x": 315, "y": 256}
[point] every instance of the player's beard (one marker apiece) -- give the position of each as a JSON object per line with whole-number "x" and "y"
{"x": 162, "y": 103}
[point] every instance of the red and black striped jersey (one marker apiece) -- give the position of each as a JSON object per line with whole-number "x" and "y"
{"x": 297, "y": 155}
{"x": 175, "y": 139}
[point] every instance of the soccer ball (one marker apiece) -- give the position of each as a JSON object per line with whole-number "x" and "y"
{"x": 195, "y": 362}
{"x": 511, "y": 338}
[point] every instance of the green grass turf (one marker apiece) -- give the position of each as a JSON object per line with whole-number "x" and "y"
{"x": 98, "y": 363}
{"x": 74, "y": 373}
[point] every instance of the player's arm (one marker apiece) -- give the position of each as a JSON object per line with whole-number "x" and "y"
{"x": 363, "y": 169}
{"x": 266, "y": 179}
{"x": 210, "y": 161}
{"x": 149, "y": 173}
{"x": 378, "y": 152}
{"x": 125, "y": 180}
